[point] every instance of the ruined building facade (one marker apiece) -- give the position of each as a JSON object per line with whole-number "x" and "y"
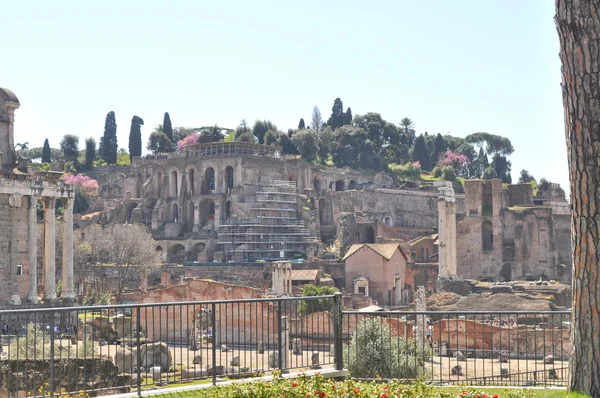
{"x": 21, "y": 279}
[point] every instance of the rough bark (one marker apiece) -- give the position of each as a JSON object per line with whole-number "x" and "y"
{"x": 578, "y": 25}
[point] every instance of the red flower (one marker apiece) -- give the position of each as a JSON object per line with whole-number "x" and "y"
{"x": 356, "y": 390}
{"x": 386, "y": 388}
{"x": 294, "y": 384}
{"x": 384, "y": 395}
{"x": 495, "y": 396}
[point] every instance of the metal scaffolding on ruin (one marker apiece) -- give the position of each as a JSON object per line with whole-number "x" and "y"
{"x": 273, "y": 232}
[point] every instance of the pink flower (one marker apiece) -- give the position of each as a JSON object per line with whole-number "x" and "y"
{"x": 87, "y": 184}
{"x": 417, "y": 164}
{"x": 187, "y": 141}
{"x": 454, "y": 160}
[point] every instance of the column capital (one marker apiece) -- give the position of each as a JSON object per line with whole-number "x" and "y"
{"x": 49, "y": 202}
{"x": 67, "y": 203}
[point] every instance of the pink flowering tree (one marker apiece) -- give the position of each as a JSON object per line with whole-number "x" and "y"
{"x": 86, "y": 184}
{"x": 454, "y": 160}
{"x": 187, "y": 141}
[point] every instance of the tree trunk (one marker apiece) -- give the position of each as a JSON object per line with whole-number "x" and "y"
{"x": 578, "y": 25}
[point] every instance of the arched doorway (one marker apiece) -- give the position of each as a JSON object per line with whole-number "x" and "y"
{"x": 339, "y": 185}
{"x": 176, "y": 254}
{"x": 207, "y": 211}
{"x": 227, "y": 210}
{"x": 195, "y": 251}
{"x": 387, "y": 220}
{"x": 229, "y": 177}
{"x": 209, "y": 181}
{"x": 352, "y": 184}
{"x": 174, "y": 183}
{"x": 487, "y": 236}
{"x": 367, "y": 235}
{"x": 175, "y": 212}
{"x": 506, "y": 272}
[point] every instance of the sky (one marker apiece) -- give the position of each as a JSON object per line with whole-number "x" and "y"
{"x": 455, "y": 67}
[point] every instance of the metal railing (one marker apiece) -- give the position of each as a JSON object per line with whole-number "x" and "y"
{"x": 132, "y": 348}
{"x": 499, "y": 348}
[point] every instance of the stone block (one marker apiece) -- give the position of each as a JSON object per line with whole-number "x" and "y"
{"x": 457, "y": 370}
{"x": 194, "y": 373}
{"x": 235, "y": 361}
{"x": 126, "y": 360}
{"x": 549, "y": 359}
{"x": 454, "y": 285}
{"x": 261, "y": 347}
{"x": 460, "y": 356}
{"x": 155, "y": 371}
{"x": 274, "y": 359}
{"x": 197, "y": 360}
{"x": 504, "y": 372}
{"x": 218, "y": 370}
{"x": 156, "y": 354}
{"x": 297, "y": 347}
{"x": 503, "y": 357}
{"x": 495, "y": 289}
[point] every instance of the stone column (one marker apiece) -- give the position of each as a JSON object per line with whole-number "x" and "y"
{"x": 14, "y": 201}
{"x": 446, "y": 229}
{"x": 49, "y": 249}
{"x": 420, "y": 319}
{"x": 196, "y": 227}
{"x": 32, "y": 247}
{"x": 67, "y": 254}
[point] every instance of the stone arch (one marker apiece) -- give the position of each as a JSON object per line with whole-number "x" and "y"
{"x": 352, "y": 184}
{"x": 506, "y": 272}
{"x": 339, "y": 185}
{"x": 159, "y": 250}
{"x": 229, "y": 177}
{"x": 207, "y": 211}
{"x": 487, "y": 236}
{"x": 209, "y": 180}
{"x": 158, "y": 183}
{"x": 317, "y": 184}
{"x": 174, "y": 183}
{"x": 174, "y": 212}
{"x": 367, "y": 234}
{"x": 130, "y": 207}
{"x": 195, "y": 250}
{"x": 387, "y": 220}
{"x": 176, "y": 254}
{"x": 227, "y": 210}
{"x": 192, "y": 175}
{"x": 325, "y": 212}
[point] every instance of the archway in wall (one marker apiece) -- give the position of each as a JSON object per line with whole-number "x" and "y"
{"x": 159, "y": 250}
{"x": 209, "y": 180}
{"x": 130, "y": 207}
{"x": 159, "y": 184}
{"x": 487, "y": 236}
{"x": 191, "y": 177}
{"x": 339, "y": 185}
{"x": 367, "y": 235}
{"x": 175, "y": 212}
{"x": 325, "y": 212}
{"x": 174, "y": 183}
{"x": 388, "y": 221}
{"x": 317, "y": 184}
{"x": 190, "y": 211}
{"x": 176, "y": 254}
{"x": 506, "y": 272}
{"x": 207, "y": 211}
{"x": 352, "y": 184}
{"x": 195, "y": 251}
{"x": 229, "y": 177}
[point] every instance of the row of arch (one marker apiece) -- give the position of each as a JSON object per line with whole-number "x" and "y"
{"x": 206, "y": 207}
{"x": 178, "y": 254}
{"x": 207, "y": 184}
{"x": 338, "y": 185}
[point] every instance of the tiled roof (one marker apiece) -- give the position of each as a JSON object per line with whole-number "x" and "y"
{"x": 304, "y": 274}
{"x": 421, "y": 238}
{"x": 385, "y": 250}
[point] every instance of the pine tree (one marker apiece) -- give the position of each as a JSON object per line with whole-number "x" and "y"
{"x": 46, "y": 154}
{"x": 109, "y": 141}
{"x": 167, "y": 127}
{"x": 301, "y": 125}
{"x": 135, "y": 137}
{"x": 90, "y": 153}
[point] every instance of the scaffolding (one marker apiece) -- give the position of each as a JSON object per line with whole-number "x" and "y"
{"x": 273, "y": 232}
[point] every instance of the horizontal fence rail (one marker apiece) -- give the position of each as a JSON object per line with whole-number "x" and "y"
{"x": 131, "y": 348}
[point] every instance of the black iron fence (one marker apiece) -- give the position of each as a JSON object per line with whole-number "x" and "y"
{"x": 132, "y": 348}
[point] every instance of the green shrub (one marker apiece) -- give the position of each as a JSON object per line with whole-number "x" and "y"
{"x": 409, "y": 171}
{"x": 448, "y": 173}
{"x": 309, "y": 306}
{"x": 437, "y": 172}
{"x": 374, "y": 352}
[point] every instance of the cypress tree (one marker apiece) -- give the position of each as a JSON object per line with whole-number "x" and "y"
{"x": 438, "y": 149}
{"x": 109, "y": 141}
{"x": 301, "y": 125}
{"x": 135, "y": 137}
{"x": 421, "y": 154}
{"x": 167, "y": 127}
{"x": 348, "y": 117}
{"x": 46, "y": 154}
{"x": 90, "y": 153}
{"x": 337, "y": 117}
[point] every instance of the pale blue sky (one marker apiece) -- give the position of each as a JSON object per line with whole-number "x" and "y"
{"x": 451, "y": 66}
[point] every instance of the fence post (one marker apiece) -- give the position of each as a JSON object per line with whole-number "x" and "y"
{"x": 138, "y": 332}
{"x": 279, "y": 342}
{"x": 337, "y": 331}
{"x": 52, "y": 336}
{"x": 213, "y": 321}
